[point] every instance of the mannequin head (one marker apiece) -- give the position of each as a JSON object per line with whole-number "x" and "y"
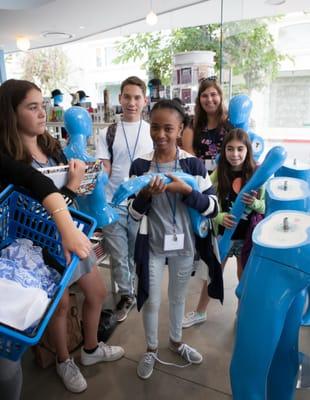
{"x": 57, "y": 97}
{"x": 82, "y": 96}
{"x": 78, "y": 122}
{"x": 239, "y": 111}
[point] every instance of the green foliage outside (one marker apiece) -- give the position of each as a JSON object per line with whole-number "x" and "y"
{"x": 48, "y": 68}
{"x": 248, "y": 48}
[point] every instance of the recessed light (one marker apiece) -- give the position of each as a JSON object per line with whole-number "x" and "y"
{"x": 275, "y": 2}
{"x": 23, "y": 43}
{"x": 57, "y": 35}
{"x": 82, "y": 27}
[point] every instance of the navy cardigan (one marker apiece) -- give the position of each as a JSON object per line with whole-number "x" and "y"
{"x": 205, "y": 202}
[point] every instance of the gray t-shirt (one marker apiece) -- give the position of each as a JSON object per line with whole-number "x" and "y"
{"x": 160, "y": 218}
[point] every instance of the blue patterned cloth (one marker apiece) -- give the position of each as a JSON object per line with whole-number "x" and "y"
{"x": 22, "y": 262}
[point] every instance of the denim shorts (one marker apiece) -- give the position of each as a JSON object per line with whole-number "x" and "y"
{"x": 236, "y": 248}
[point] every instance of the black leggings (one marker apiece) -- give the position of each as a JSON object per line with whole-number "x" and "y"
{"x": 11, "y": 379}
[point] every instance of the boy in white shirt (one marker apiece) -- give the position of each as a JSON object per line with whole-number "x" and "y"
{"x": 118, "y": 146}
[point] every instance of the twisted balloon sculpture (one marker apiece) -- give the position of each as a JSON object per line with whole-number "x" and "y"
{"x": 272, "y": 162}
{"x": 199, "y": 222}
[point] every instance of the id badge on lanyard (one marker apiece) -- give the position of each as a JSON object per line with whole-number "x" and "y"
{"x": 174, "y": 242}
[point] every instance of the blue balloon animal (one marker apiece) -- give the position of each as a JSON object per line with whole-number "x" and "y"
{"x": 273, "y": 161}
{"x": 200, "y": 223}
{"x": 239, "y": 111}
{"x": 78, "y": 123}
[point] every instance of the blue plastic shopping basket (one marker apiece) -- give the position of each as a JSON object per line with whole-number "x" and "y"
{"x": 23, "y": 217}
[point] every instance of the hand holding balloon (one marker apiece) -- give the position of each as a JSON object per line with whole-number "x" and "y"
{"x": 249, "y": 199}
{"x": 273, "y": 161}
{"x": 177, "y": 185}
{"x": 229, "y": 221}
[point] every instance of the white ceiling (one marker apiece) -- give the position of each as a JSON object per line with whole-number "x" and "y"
{"x": 82, "y": 18}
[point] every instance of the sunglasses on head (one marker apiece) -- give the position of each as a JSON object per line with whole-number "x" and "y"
{"x": 209, "y": 78}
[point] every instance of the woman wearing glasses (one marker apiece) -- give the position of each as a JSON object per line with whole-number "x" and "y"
{"x": 204, "y": 140}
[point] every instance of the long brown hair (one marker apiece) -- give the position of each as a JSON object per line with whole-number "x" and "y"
{"x": 224, "y": 170}
{"x": 201, "y": 117}
{"x": 12, "y": 93}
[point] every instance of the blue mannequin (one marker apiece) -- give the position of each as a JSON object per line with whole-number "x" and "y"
{"x": 297, "y": 169}
{"x": 78, "y": 123}
{"x": 282, "y": 193}
{"x": 286, "y": 193}
{"x": 57, "y": 97}
{"x": 79, "y": 126}
{"x": 239, "y": 111}
{"x": 265, "y": 359}
{"x": 200, "y": 224}
{"x": 79, "y": 98}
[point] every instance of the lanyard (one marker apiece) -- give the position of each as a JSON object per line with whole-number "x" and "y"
{"x": 131, "y": 157}
{"x": 173, "y": 207}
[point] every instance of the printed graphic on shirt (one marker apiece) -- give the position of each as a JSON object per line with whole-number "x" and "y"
{"x": 209, "y": 143}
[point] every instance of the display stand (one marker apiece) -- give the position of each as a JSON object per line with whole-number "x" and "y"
{"x": 188, "y": 70}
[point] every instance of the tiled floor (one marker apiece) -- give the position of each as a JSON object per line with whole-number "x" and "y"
{"x": 118, "y": 380}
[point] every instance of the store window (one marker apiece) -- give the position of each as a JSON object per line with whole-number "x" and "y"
{"x": 99, "y": 57}
{"x": 110, "y": 55}
{"x": 269, "y": 60}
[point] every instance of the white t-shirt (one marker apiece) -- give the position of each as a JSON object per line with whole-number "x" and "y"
{"x": 121, "y": 159}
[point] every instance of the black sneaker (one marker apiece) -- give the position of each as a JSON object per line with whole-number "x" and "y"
{"x": 123, "y": 307}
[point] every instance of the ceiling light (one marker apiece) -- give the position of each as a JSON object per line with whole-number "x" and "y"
{"x": 151, "y": 18}
{"x": 57, "y": 35}
{"x": 275, "y": 2}
{"x": 23, "y": 43}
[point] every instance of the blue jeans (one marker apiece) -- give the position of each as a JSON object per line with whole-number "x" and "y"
{"x": 180, "y": 269}
{"x": 119, "y": 240}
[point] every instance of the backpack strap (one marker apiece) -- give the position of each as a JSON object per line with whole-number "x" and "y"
{"x": 110, "y": 138}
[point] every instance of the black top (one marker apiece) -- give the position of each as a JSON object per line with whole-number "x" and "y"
{"x": 21, "y": 174}
{"x": 242, "y": 227}
{"x": 207, "y": 144}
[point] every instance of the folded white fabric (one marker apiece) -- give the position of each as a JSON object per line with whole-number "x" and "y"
{"x": 21, "y": 307}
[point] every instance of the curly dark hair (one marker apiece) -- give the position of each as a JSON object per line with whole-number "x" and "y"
{"x": 171, "y": 105}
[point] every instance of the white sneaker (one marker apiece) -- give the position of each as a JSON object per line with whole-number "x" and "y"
{"x": 102, "y": 353}
{"x": 193, "y": 318}
{"x": 71, "y": 376}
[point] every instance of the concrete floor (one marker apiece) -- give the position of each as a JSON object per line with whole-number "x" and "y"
{"x": 118, "y": 380}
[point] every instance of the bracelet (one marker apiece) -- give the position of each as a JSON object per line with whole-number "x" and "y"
{"x": 58, "y": 210}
